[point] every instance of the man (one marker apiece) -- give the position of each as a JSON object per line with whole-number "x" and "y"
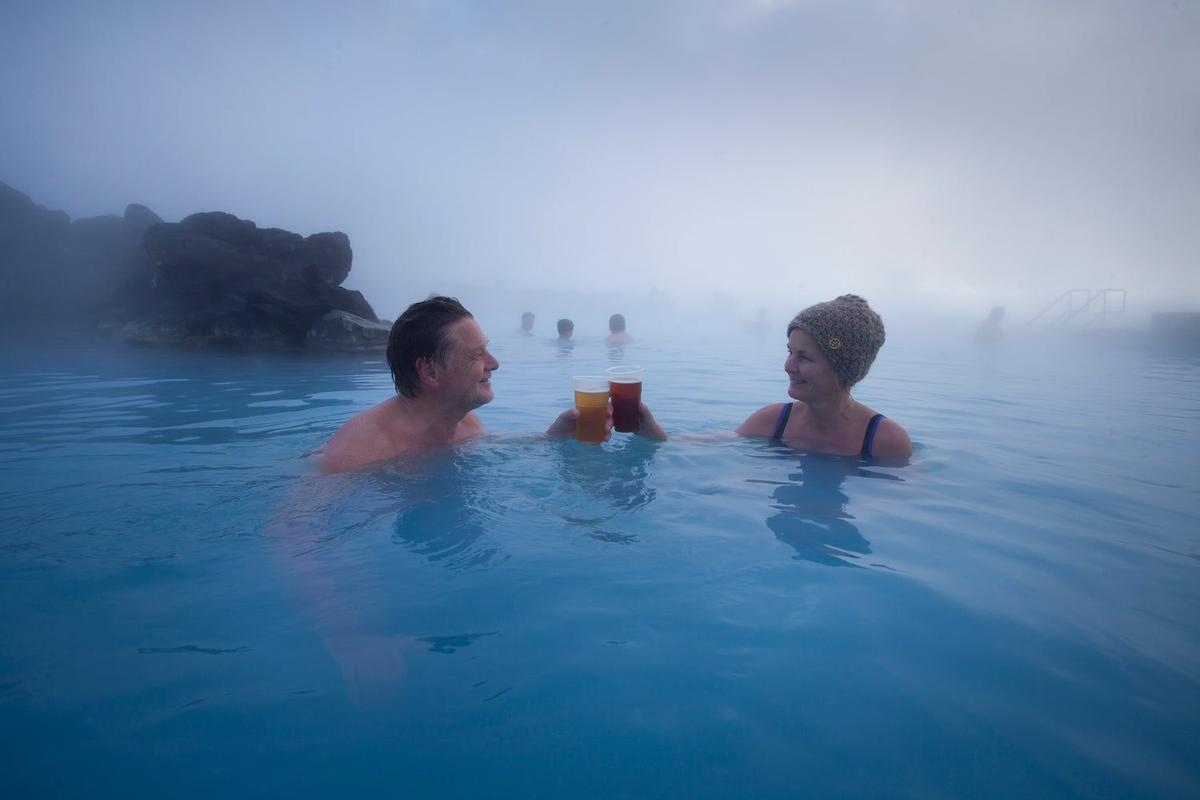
{"x": 616, "y": 330}
{"x": 526, "y": 328}
{"x": 565, "y": 329}
{"x": 442, "y": 370}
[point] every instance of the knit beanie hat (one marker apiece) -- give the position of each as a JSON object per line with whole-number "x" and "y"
{"x": 848, "y": 332}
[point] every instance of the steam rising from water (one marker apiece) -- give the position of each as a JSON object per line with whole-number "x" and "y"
{"x": 726, "y": 155}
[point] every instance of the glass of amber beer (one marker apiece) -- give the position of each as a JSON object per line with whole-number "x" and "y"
{"x": 625, "y": 384}
{"x": 591, "y": 398}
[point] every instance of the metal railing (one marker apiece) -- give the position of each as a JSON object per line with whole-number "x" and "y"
{"x": 1082, "y": 305}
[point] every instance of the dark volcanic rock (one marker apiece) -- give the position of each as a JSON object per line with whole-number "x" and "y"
{"x": 210, "y": 279}
{"x": 238, "y": 249}
{"x": 339, "y": 330}
{"x": 138, "y": 218}
{"x": 218, "y": 278}
{"x": 52, "y": 268}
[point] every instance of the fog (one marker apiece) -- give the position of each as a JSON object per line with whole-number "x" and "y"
{"x": 735, "y": 154}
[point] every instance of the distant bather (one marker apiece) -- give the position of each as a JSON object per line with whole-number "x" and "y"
{"x": 616, "y": 330}
{"x": 526, "y": 324}
{"x": 989, "y": 333}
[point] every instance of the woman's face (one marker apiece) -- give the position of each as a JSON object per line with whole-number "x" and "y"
{"x": 809, "y": 372}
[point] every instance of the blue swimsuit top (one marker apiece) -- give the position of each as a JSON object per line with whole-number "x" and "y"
{"x": 868, "y": 437}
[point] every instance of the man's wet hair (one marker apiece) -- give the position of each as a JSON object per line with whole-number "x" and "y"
{"x": 565, "y": 326}
{"x": 616, "y": 323}
{"x": 421, "y": 332}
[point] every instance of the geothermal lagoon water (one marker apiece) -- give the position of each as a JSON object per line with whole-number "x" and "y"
{"x": 186, "y": 609}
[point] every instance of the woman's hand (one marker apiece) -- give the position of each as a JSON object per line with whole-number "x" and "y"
{"x": 648, "y": 426}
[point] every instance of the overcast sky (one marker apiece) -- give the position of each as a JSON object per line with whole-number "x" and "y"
{"x": 948, "y": 154}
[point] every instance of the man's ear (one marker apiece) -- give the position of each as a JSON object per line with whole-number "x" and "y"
{"x": 427, "y": 371}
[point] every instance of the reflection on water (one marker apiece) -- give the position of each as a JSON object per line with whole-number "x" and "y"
{"x": 1048, "y": 650}
{"x": 811, "y": 513}
{"x": 446, "y": 509}
{"x": 615, "y": 478}
{"x": 451, "y": 503}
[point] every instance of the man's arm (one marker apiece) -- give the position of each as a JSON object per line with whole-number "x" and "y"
{"x": 563, "y": 426}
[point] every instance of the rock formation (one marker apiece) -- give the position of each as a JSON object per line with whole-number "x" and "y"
{"x": 209, "y": 279}
{"x": 57, "y": 270}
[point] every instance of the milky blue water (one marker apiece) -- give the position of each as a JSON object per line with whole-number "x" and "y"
{"x": 186, "y": 609}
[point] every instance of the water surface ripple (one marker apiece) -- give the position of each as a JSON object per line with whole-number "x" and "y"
{"x": 1014, "y": 613}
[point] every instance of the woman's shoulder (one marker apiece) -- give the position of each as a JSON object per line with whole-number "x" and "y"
{"x": 761, "y": 422}
{"x": 891, "y": 439}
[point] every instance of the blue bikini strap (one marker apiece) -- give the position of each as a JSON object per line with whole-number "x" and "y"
{"x": 781, "y": 423}
{"x": 869, "y": 436}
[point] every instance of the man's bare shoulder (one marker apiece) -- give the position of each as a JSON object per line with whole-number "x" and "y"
{"x": 470, "y": 426}
{"x": 364, "y": 438}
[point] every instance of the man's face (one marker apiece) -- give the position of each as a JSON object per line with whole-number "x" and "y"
{"x": 468, "y": 371}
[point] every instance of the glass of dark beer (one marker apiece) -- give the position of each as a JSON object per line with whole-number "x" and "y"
{"x": 625, "y": 388}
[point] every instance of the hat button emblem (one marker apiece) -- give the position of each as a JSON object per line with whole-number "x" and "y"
{"x": 835, "y": 343}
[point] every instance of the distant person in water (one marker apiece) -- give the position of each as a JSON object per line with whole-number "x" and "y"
{"x": 442, "y": 370}
{"x": 616, "y": 330}
{"x": 989, "y": 334}
{"x": 830, "y": 348}
{"x": 566, "y": 329}
{"x": 526, "y": 328}
{"x": 760, "y": 324}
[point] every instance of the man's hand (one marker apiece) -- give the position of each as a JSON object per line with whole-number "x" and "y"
{"x": 564, "y": 426}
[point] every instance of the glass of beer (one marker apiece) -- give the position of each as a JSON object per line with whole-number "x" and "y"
{"x": 625, "y": 384}
{"x": 591, "y": 398}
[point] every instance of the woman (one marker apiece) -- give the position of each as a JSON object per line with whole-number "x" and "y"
{"x": 830, "y": 348}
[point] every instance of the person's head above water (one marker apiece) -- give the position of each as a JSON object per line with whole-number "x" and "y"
{"x": 527, "y": 322}
{"x": 616, "y": 323}
{"x": 426, "y": 342}
{"x": 442, "y": 370}
{"x": 565, "y": 328}
{"x": 846, "y": 331}
{"x": 830, "y": 348}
